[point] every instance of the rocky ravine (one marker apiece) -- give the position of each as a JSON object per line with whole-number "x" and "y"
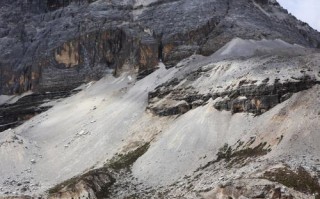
{"x": 241, "y": 122}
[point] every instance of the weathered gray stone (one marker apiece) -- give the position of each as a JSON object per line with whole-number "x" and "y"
{"x": 45, "y": 45}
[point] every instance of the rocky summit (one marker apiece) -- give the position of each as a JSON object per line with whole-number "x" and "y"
{"x": 206, "y": 99}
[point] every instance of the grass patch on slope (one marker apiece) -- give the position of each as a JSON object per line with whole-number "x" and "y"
{"x": 300, "y": 180}
{"x": 238, "y": 154}
{"x": 123, "y": 161}
{"x": 118, "y": 162}
{"x": 72, "y": 182}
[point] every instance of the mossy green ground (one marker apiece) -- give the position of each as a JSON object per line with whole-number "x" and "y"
{"x": 300, "y": 180}
{"x": 123, "y": 161}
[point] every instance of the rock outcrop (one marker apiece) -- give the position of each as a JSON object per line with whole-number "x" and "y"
{"x": 14, "y": 114}
{"x": 240, "y": 92}
{"x": 256, "y": 99}
{"x": 259, "y": 99}
{"x": 93, "y": 185}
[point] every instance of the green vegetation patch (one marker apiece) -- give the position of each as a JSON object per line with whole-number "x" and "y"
{"x": 301, "y": 180}
{"x": 72, "y": 182}
{"x": 123, "y": 161}
{"x": 239, "y": 154}
{"x": 68, "y": 183}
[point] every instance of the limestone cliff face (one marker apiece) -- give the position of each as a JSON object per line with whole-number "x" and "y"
{"x": 88, "y": 57}
{"x": 45, "y": 45}
{"x": 81, "y": 59}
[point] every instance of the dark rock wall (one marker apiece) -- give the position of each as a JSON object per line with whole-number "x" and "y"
{"x": 40, "y": 6}
{"x": 52, "y": 44}
{"x": 88, "y": 57}
{"x": 84, "y": 58}
{"x": 56, "y": 4}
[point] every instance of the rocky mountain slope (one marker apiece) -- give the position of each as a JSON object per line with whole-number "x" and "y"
{"x": 158, "y": 99}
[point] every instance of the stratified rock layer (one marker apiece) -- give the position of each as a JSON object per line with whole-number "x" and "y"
{"x": 15, "y": 114}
